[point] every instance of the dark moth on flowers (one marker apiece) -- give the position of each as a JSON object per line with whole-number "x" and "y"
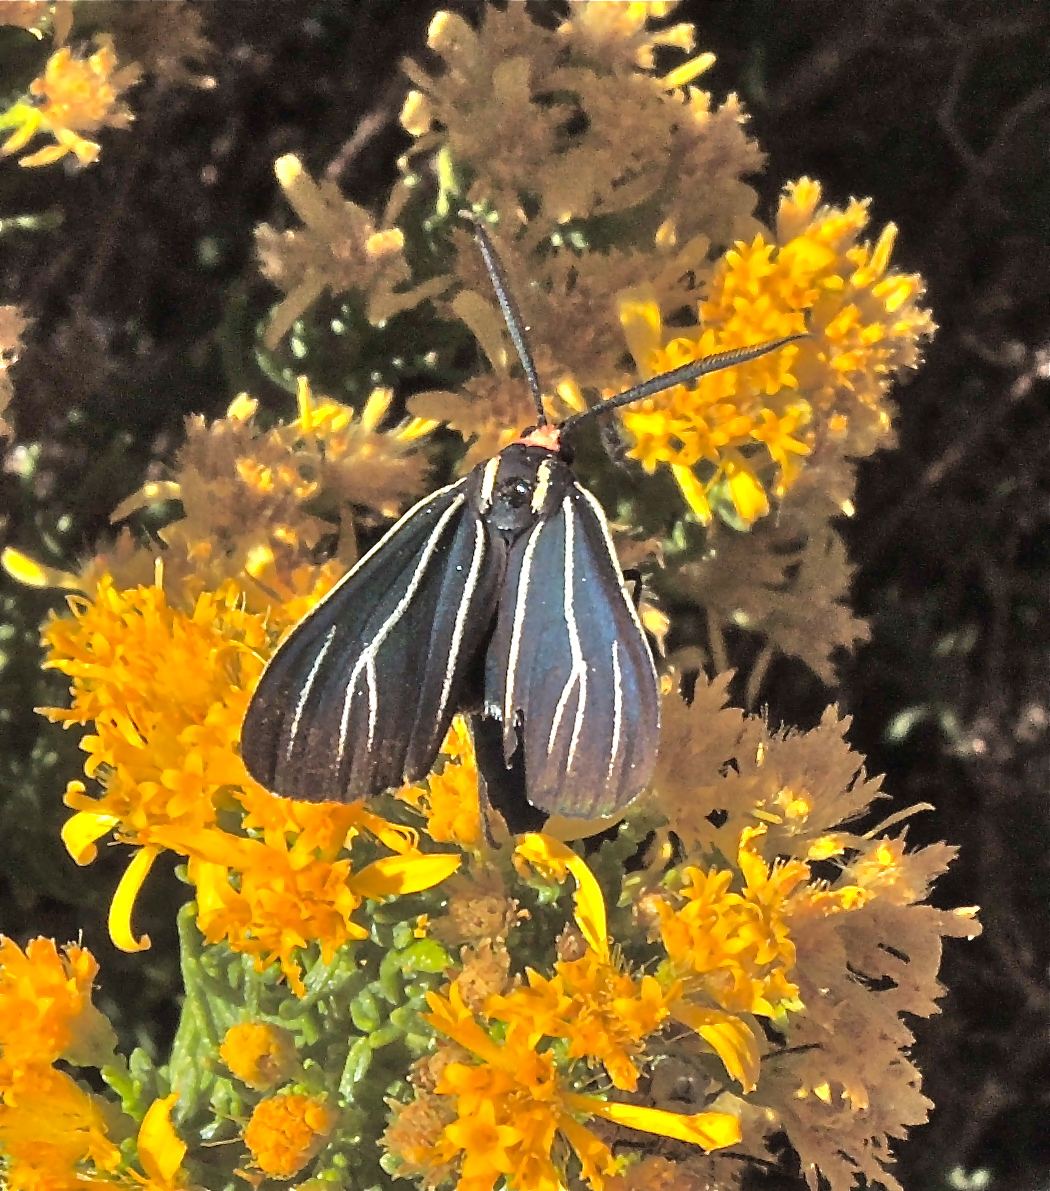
{"x": 499, "y": 597}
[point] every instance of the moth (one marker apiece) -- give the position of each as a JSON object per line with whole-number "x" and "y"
{"x": 499, "y": 596}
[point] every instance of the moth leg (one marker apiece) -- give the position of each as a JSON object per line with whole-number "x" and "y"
{"x": 501, "y": 786}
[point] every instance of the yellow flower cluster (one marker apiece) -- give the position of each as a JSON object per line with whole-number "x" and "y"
{"x": 732, "y": 953}
{"x": 54, "y": 1133}
{"x": 516, "y": 1096}
{"x": 659, "y": 157}
{"x": 752, "y": 426}
{"x": 167, "y": 756}
{"x": 73, "y": 96}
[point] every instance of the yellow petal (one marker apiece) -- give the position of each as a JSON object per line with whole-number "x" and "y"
{"x": 590, "y": 905}
{"x": 287, "y": 169}
{"x": 712, "y": 1130}
{"x": 242, "y": 408}
{"x": 642, "y": 324}
{"x": 693, "y": 491}
{"x": 375, "y": 407}
{"x": 160, "y": 1148}
{"x": 22, "y": 137}
{"x": 148, "y": 494}
{"x": 34, "y": 574}
{"x": 728, "y": 1037}
{"x": 567, "y": 830}
{"x": 416, "y": 115}
{"x": 416, "y": 428}
{"x": 688, "y": 71}
{"x": 124, "y": 899}
{"x": 81, "y": 831}
{"x": 46, "y": 156}
{"x": 404, "y": 874}
{"x": 747, "y": 493}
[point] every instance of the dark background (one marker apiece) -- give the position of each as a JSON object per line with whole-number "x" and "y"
{"x": 146, "y": 300}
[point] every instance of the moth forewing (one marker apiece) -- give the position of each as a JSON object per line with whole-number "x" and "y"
{"x": 365, "y": 686}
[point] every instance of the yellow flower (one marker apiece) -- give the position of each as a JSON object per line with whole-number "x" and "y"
{"x": 733, "y": 946}
{"x": 750, "y": 428}
{"x": 163, "y": 750}
{"x": 736, "y": 950}
{"x": 450, "y": 798}
{"x": 484, "y": 1144}
{"x": 75, "y": 96}
{"x": 512, "y": 1104}
{"x": 167, "y": 756}
{"x": 338, "y": 249}
{"x": 260, "y": 1055}
{"x": 270, "y": 897}
{"x": 160, "y": 1149}
{"x": 52, "y": 1131}
{"x": 603, "y": 1013}
{"x": 752, "y": 407}
{"x": 45, "y": 1009}
{"x": 286, "y": 1131}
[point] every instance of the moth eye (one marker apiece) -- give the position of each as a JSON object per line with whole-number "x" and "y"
{"x": 517, "y": 494}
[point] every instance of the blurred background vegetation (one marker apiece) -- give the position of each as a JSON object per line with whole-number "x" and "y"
{"x": 140, "y": 276}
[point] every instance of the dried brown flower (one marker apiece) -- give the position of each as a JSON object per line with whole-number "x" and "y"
{"x": 485, "y": 972}
{"x": 479, "y": 909}
{"x": 338, "y": 249}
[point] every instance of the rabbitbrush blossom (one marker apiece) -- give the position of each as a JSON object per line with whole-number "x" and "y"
{"x": 401, "y": 993}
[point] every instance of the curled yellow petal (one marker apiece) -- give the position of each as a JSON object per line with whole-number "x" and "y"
{"x": 124, "y": 899}
{"x": 728, "y": 1037}
{"x": 34, "y": 574}
{"x": 547, "y": 852}
{"x": 160, "y": 1148}
{"x": 82, "y": 831}
{"x": 149, "y": 494}
{"x": 404, "y": 874}
{"x": 568, "y": 830}
{"x": 711, "y": 1130}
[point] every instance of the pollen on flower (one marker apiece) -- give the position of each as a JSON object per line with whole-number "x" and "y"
{"x": 286, "y": 1131}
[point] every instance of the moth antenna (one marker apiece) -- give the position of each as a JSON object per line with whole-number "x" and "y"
{"x": 511, "y": 316}
{"x": 683, "y": 375}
